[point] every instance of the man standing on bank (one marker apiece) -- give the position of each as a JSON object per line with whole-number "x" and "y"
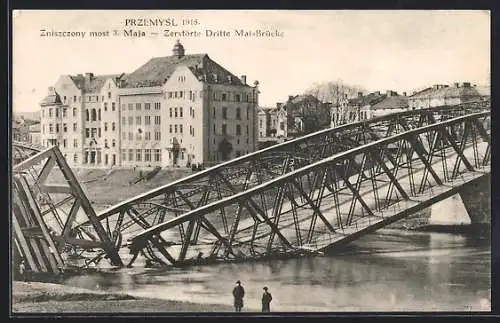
{"x": 238, "y": 293}
{"x": 266, "y": 301}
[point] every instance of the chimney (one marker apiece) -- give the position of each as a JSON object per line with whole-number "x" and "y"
{"x": 457, "y": 85}
{"x": 377, "y": 92}
{"x": 89, "y": 76}
{"x": 404, "y": 93}
{"x": 279, "y": 105}
{"x": 466, "y": 84}
{"x": 360, "y": 94}
{"x": 244, "y": 79}
{"x": 290, "y": 97}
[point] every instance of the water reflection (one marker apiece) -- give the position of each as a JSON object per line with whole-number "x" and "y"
{"x": 388, "y": 270}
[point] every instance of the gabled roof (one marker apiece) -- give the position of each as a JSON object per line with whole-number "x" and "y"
{"x": 391, "y": 102}
{"x": 93, "y": 84}
{"x": 52, "y": 98}
{"x": 369, "y": 99}
{"x": 447, "y": 91}
{"x": 157, "y": 71}
{"x": 301, "y": 98}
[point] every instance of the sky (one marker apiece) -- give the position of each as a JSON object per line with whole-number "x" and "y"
{"x": 376, "y": 50}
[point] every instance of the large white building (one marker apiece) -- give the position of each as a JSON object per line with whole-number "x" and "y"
{"x": 174, "y": 110}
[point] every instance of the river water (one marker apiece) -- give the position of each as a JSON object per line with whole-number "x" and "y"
{"x": 389, "y": 270}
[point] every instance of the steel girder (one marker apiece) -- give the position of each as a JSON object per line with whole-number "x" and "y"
{"x": 38, "y": 197}
{"x": 331, "y": 200}
{"x": 242, "y": 174}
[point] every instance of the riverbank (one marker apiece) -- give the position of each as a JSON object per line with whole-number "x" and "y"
{"x": 37, "y": 297}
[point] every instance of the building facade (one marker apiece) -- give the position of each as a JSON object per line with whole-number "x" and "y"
{"x": 272, "y": 122}
{"x": 172, "y": 111}
{"x": 439, "y": 95}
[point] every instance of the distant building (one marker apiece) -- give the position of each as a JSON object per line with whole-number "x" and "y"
{"x": 174, "y": 110}
{"x": 355, "y": 109}
{"x": 272, "y": 122}
{"x": 391, "y": 103}
{"x": 439, "y": 95}
{"x": 305, "y": 114}
{"x": 34, "y": 135}
{"x": 20, "y": 128}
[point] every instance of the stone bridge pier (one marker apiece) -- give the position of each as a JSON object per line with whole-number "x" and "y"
{"x": 472, "y": 205}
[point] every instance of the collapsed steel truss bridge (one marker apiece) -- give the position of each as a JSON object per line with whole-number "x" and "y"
{"x": 302, "y": 196}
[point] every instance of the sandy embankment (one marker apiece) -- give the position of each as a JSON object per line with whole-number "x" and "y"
{"x": 38, "y": 297}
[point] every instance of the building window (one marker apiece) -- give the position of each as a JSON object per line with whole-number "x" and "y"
{"x": 170, "y": 112}
{"x": 99, "y": 113}
{"x": 157, "y": 155}
{"x": 105, "y": 126}
{"x": 96, "y": 98}
{"x": 75, "y": 143}
{"x": 170, "y": 95}
{"x": 238, "y": 130}
{"x": 94, "y": 115}
{"x": 157, "y": 135}
{"x": 109, "y": 95}
{"x": 113, "y": 126}
{"x": 175, "y": 113}
{"x": 75, "y": 158}
{"x": 214, "y": 112}
{"x": 224, "y": 129}
{"x": 65, "y": 112}
{"x": 157, "y": 120}
{"x": 105, "y": 106}
{"x": 181, "y": 93}
{"x": 124, "y": 120}
{"x": 238, "y": 98}
{"x": 106, "y": 143}
{"x": 138, "y": 155}
{"x": 224, "y": 96}
{"x": 130, "y": 120}
{"x": 238, "y": 114}
{"x": 99, "y": 132}
{"x": 64, "y": 143}
{"x": 57, "y": 128}
{"x": 147, "y": 155}
{"x": 65, "y": 128}
{"x": 147, "y": 106}
{"x": 113, "y": 106}
{"x": 175, "y": 128}
{"x": 113, "y": 143}
{"x": 157, "y": 106}
{"x": 74, "y": 98}
{"x": 180, "y": 128}
{"x": 138, "y": 120}
{"x": 180, "y": 112}
{"x": 130, "y": 106}
{"x": 87, "y": 132}
{"x": 224, "y": 113}
{"x": 170, "y": 127}
{"x": 131, "y": 154}
{"x": 124, "y": 155}
{"x": 64, "y": 99}
{"x": 147, "y": 120}
{"x": 93, "y": 132}
{"x": 137, "y": 106}
{"x": 147, "y": 135}
{"x": 260, "y": 123}
{"x": 50, "y": 112}
{"x": 214, "y": 128}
